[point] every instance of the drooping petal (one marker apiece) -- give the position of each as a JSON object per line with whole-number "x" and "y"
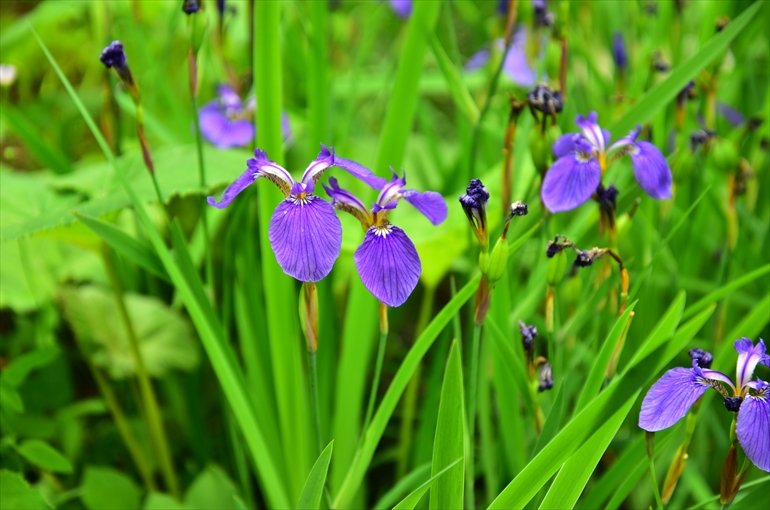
{"x": 753, "y": 430}
{"x": 348, "y": 202}
{"x": 651, "y": 170}
{"x": 429, "y": 203}
{"x": 630, "y": 139}
{"x": 749, "y": 356}
{"x": 570, "y": 182}
{"x": 326, "y": 158}
{"x": 388, "y": 264}
{"x": 564, "y": 145}
{"x": 240, "y": 184}
{"x": 306, "y": 237}
{"x": 670, "y": 398}
{"x": 221, "y": 131}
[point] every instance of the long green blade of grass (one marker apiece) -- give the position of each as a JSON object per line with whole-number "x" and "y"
{"x": 314, "y": 485}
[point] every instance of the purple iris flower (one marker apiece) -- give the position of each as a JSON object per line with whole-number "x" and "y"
{"x": 227, "y": 121}
{"x": 672, "y": 395}
{"x": 582, "y": 158}
{"x": 304, "y": 232}
{"x": 387, "y": 260}
{"x": 515, "y": 66}
{"x": 732, "y": 115}
{"x": 402, "y": 8}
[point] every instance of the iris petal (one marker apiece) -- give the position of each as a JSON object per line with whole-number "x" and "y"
{"x": 749, "y": 356}
{"x": 564, "y": 145}
{"x": 388, "y": 264}
{"x": 753, "y": 430}
{"x": 570, "y": 182}
{"x": 670, "y": 398}
{"x": 651, "y": 170}
{"x": 221, "y": 131}
{"x": 429, "y": 203}
{"x": 306, "y": 236}
{"x": 240, "y": 184}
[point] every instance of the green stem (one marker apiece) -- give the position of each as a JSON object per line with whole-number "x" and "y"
{"x": 472, "y": 390}
{"x": 376, "y": 381}
{"x": 314, "y": 400}
{"x": 149, "y": 401}
{"x": 202, "y": 183}
{"x": 655, "y": 488}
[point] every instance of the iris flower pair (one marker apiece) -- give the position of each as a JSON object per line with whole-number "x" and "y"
{"x": 306, "y": 235}
{"x": 582, "y": 159}
{"x": 672, "y": 395}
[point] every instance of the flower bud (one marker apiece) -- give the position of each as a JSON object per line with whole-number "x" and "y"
{"x": 540, "y": 150}
{"x": 498, "y": 260}
{"x": 474, "y": 204}
{"x": 557, "y": 267}
{"x": 704, "y": 358}
{"x": 724, "y": 154}
{"x": 528, "y": 334}
{"x": 545, "y": 378}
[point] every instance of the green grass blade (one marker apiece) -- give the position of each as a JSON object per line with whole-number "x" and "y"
{"x": 125, "y": 245}
{"x": 46, "y": 155}
{"x": 316, "y": 480}
{"x": 410, "y": 482}
{"x": 593, "y": 384}
{"x": 725, "y": 290}
{"x": 218, "y": 350}
{"x": 512, "y": 363}
{"x": 403, "y": 99}
{"x": 409, "y": 502}
{"x": 662, "y": 94}
{"x": 447, "y": 492}
{"x": 552, "y": 422}
{"x": 573, "y": 476}
{"x": 457, "y": 88}
{"x": 663, "y": 330}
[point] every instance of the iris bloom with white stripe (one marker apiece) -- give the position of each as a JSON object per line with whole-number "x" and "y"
{"x": 672, "y": 395}
{"x": 387, "y": 260}
{"x": 305, "y": 233}
{"x": 582, "y": 159}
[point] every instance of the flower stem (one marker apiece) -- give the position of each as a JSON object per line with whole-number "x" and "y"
{"x": 314, "y": 400}
{"x": 377, "y": 366}
{"x": 472, "y": 390}
{"x": 150, "y": 402}
{"x": 655, "y": 489}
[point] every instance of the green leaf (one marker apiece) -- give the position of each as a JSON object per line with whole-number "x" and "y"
{"x": 158, "y": 501}
{"x": 212, "y": 489}
{"x": 411, "y": 500}
{"x": 447, "y": 492}
{"x": 166, "y": 340}
{"x": 551, "y": 425}
{"x": 316, "y": 480}
{"x": 44, "y": 456}
{"x": 125, "y": 245}
{"x": 595, "y": 378}
{"x": 10, "y": 398}
{"x": 512, "y": 364}
{"x": 725, "y": 290}
{"x": 17, "y": 371}
{"x": 416, "y": 478}
{"x": 44, "y": 152}
{"x": 573, "y": 476}
{"x": 105, "y": 487}
{"x": 16, "y": 494}
{"x": 663, "y": 93}
{"x": 457, "y": 88}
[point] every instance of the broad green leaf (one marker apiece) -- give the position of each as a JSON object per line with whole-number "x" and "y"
{"x": 663, "y": 93}
{"x": 190, "y": 289}
{"x": 212, "y": 489}
{"x": 45, "y": 153}
{"x": 447, "y": 492}
{"x": 44, "y": 456}
{"x": 125, "y": 245}
{"x": 166, "y": 340}
{"x": 595, "y": 378}
{"x": 158, "y": 501}
{"x": 316, "y": 480}
{"x": 627, "y": 386}
{"x": 105, "y": 487}
{"x": 411, "y": 500}
{"x": 373, "y": 435}
{"x": 17, "y": 371}
{"x": 10, "y": 398}
{"x": 573, "y": 476}
{"x": 16, "y": 494}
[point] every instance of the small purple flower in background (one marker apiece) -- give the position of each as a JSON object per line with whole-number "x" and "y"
{"x": 114, "y": 57}
{"x": 387, "y": 260}
{"x": 543, "y": 17}
{"x": 732, "y": 115}
{"x": 582, "y": 159}
{"x": 619, "y": 51}
{"x": 304, "y": 231}
{"x": 191, "y": 6}
{"x": 672, "y": 395}
{"x": 515, "y": 66}
{"x": 227, "y": 122}
{"x": 402, "y": 8}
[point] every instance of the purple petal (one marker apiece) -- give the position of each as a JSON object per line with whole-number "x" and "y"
{"x": 348, "y": 202}
{"x": 592, "y": 131}
{"x": 478, "y": 60}
{"x": 388, "y": 264}
{"x": 429, "y": 203}
{"x": 753, "y": 429}
{"x": 402, "y": 8}
{"x": 306, "y": 237}
{"x": 749, "y": 356}
{"x": 286, "y": 128}
{"x": 619, "y": 51}
{"x": 326, "y": 158}
{"x": 268, "y": 169}
{"x": 570, "y": 182}
{"x": 516, "y": 65}
{"x": 565, "y": 144}
{"x": 228, "y": 96}
{"x": 391, "y": 190}
{"x": 221, "y": 131}
{"x": 670, "y": 398}
{"x": 240, "y": 184}
{"x": 651, "y": 170}
{"x": 626, "y": 140}
{"x": 732, "y": 115}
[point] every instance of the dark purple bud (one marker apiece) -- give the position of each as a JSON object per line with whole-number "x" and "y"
{"x": 519, "y": 208}
{"x": 191, "y": 6}
{"x": 543, "y": 98}
{"x": 545, "y": 378}
{"x": 528, "y": 334}
{"x": 221, "y": 6}
{"x": 543, "y": 17}
{"x": 699, "y": 137}
{"x": 607, "y": 197}
{"x": 474, "y": 203}
{"x": 688, "y": 92}
{"x": 703, "y": 358}
{"x": 660, "y": 65}
{"x": 584, "y": 259}
{"x": 114, "y": 57}
{"x": 619, "y": 51}
{"x": 733, "y": 403}
{"x": 553, "y": 248}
